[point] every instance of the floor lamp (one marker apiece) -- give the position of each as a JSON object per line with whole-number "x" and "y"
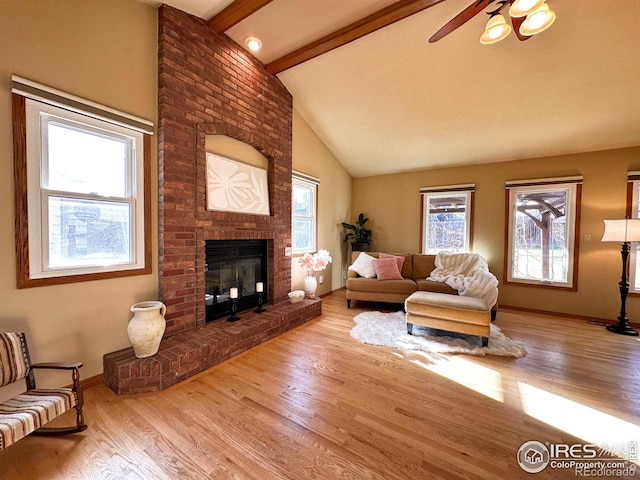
{"x": 624, "y": 232}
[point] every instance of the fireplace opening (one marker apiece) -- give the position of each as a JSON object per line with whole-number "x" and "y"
{"x": 240, "y": 264}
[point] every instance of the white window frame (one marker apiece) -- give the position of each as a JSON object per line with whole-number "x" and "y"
{"x": 428, "y": 193}
{"x": 572, "y": 185}
{"x": 39, "y": 116}
{"x": 300, "y": 180}
{"x": 35, "y": 106}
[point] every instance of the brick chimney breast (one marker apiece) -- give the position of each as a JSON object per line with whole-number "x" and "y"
{"x": 209, "y": 85}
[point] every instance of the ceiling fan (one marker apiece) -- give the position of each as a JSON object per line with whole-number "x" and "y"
{"x": 528, "y": 18}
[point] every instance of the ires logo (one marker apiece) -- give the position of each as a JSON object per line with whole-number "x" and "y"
{"x": 559, "y": 451}
{"x": 534, "y": 456}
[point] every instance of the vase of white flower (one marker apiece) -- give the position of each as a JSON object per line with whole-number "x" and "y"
{"x": 313, "y": 263}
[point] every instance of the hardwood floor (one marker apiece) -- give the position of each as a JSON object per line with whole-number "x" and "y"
{"x": 314, "y": 403}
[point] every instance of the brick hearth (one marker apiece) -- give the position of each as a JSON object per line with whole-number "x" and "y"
{"x": 188, "y": 353}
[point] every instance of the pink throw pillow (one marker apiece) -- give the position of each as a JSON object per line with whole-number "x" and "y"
{"x": 398, "y": 258}
{"x": 387, "y": 269}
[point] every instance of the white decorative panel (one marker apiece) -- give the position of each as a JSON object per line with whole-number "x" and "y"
{"x": 236, "y": 187}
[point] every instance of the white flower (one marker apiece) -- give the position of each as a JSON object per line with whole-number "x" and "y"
{"x": 316, "y": 262}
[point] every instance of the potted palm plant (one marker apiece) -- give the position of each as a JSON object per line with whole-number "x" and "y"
{"x": 359, "y": 235}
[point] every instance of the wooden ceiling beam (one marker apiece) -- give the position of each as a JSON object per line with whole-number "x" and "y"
{"x": 234, "y": 13}
{"x": 375, "y": 21}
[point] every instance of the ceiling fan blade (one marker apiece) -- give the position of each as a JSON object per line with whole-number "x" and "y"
{"x": 516, "y": 22}
{"x": 460, "y": 19}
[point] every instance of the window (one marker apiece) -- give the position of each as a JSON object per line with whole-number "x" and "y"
{"x": 542, "y": 223}
{"x": 447, "y": 214}
{"x": 633, "y": 211}
{"x": 87, "y": 211}
{"x": 303, "y": 209}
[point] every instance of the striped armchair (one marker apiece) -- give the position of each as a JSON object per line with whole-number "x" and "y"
{"x": 28, "y": 412}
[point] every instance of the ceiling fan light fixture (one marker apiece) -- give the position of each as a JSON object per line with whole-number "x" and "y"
{"x": 253, "y": 43}
{"x": 497, "y": 29}
{"x": 521, "y": 8}
{"x": 538, "y": 21}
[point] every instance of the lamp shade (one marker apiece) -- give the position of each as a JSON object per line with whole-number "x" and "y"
{"x": 620, "y": 231}
{"x": 537, "y": 21}
{"x": 520, "y": 8}
{"x": 496, "y": 30}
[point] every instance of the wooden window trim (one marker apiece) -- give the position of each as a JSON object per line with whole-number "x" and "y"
{"x": 19, "y": 119}
{"x": 451, "y": 188}
{"x": 629, "y": 213}
{"x": 576, "y": 248}
{"x": 316, "y": 183}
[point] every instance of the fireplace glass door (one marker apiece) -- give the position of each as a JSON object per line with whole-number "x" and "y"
{"x": 231, "y": 264}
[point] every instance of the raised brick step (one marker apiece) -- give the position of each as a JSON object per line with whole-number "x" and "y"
{"x": 191, "y": 352}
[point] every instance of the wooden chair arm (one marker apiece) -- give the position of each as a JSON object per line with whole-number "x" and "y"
{"x": 58, "y": 365}
{"x": 73, "y": 366}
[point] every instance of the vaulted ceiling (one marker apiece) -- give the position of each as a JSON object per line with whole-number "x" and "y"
{"x": 385, "y": 100}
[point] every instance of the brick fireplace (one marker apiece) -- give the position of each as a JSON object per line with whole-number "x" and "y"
{"x": 208, "y": 85}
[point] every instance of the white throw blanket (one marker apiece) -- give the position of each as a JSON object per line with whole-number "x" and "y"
{"x": 468, "y": 273}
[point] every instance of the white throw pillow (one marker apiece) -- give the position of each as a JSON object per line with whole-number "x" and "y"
{"x": 363, "y": 266}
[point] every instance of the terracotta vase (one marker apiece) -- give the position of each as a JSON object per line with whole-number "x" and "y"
{"x": 146, "y": 328}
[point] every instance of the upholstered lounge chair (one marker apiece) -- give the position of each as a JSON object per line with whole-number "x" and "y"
{"x": 28, "y": 412}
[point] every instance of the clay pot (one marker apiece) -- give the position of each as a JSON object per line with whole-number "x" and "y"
{"x": 146, "y": 328}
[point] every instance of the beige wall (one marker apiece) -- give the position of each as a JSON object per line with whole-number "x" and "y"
{"x": 312, "y": 157}
{"x": 233, "y": 149}
{"x": 103, "y": 51}
{"x": 396, "y": 224}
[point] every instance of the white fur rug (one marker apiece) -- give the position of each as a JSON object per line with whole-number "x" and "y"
{"x": 390, "y": 330}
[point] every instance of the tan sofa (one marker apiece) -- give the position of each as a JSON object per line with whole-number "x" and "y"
{"x": 416, "y": 268}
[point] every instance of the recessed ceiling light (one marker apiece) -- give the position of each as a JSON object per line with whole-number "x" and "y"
{"x": 253, "y": 43}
